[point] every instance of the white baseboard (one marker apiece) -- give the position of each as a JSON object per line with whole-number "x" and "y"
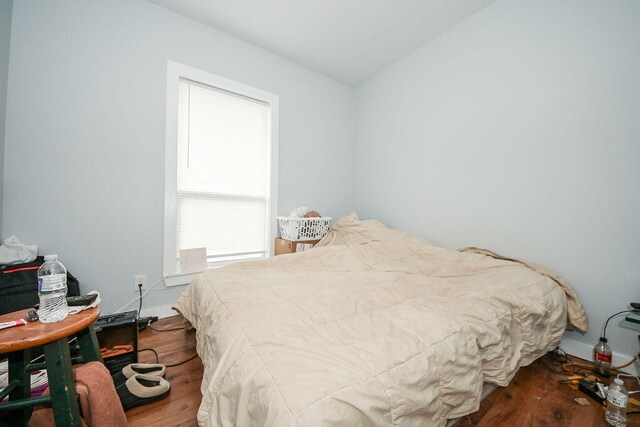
{"x": 585, "y": 351}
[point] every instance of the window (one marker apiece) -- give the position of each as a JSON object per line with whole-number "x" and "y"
{"x": 220, "y": 185}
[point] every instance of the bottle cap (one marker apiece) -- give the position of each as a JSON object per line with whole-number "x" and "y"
{"x": 51, "y": 257}
{"x": 618, "y": 381}
{"x": 603, "y": 339}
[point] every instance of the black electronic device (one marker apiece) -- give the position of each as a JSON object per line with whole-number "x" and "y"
{"x": 81, "y": 299}
{"x": 118, "y": 339}
{"x": 591, "y": 389}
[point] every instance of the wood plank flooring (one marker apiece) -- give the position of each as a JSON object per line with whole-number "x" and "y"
{"x": 181, "y": 407}
{"x": 534, "y": 398}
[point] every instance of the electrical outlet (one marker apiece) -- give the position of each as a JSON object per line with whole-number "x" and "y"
{"x": 139, "y": 279}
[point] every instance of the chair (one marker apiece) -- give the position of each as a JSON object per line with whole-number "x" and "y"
{"x": 17, "y": 343}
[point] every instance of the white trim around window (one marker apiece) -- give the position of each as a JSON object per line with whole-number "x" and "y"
{"x": 176, "y": 73}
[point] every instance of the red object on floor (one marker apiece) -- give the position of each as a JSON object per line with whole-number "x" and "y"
{"x": 99, "y": 401}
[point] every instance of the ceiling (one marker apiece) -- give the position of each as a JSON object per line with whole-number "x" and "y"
{"x": 347, "y": 40}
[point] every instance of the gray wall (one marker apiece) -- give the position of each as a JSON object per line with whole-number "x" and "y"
{"x": 6, "y": 7}
{"x": 85, "y": 139}
{"x": 518, "y": 130}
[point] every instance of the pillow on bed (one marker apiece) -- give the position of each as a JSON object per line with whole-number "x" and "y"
{"x": 349, "y": 230}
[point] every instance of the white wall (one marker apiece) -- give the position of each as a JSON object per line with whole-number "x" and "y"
{"x": 518, "y": 130}
{"x": 84, "y": 158}
{"x": 5, "y": 36}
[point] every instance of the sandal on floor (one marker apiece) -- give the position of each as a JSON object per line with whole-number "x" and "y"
{"x": 132, "y": 369}
{"x": 142, "y": 389}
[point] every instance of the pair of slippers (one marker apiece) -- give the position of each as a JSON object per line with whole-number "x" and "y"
{"x": 141, "y": 383}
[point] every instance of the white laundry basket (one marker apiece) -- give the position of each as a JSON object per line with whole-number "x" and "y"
{"x": 299, "y": 229}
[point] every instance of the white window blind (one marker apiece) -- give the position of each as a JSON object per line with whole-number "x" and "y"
{"x": 223, "y": 176}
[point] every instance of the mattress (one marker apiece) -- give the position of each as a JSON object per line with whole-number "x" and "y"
{"x": 373, "y": 327}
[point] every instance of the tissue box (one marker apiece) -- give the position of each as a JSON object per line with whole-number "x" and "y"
{"x": 288, "y": 247}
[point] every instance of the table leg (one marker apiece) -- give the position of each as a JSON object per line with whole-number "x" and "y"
{"x": 64, "y": 399}
{"x": 89, "y": 347}
{"x": 18, "y": 360}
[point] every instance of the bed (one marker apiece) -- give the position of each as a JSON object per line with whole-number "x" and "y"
{"x": 373, "y": 327}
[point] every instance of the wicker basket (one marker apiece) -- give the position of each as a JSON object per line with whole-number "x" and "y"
{"x": 299, "y": 229}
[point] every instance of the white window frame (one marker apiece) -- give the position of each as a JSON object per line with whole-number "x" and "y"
{"x": 175, "y": 72}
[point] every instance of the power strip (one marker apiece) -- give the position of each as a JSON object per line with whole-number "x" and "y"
{"x": 591, "y": 389}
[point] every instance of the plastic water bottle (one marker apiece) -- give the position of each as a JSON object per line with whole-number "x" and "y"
{"x": 52, "y": 289}
{"x": 617, "y": 398}
{"x": 602, "y": 357}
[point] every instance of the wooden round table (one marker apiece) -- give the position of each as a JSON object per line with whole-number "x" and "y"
{"x": 17, "y": 342}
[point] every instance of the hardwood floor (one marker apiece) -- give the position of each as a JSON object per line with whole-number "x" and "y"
{"x": 181, "y": 407}
{"x": 535, "y": 397}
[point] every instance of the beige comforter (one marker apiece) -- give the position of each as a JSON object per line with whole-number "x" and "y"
{"x": 372, "y": 327}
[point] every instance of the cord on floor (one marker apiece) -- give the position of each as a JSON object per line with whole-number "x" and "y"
{"x": 171, "y": 365}
{"x": 178, "y": 328}
{"x": 152, "y": 350}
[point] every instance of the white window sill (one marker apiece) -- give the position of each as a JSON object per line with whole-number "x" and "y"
{"x": 178, "y": 278}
